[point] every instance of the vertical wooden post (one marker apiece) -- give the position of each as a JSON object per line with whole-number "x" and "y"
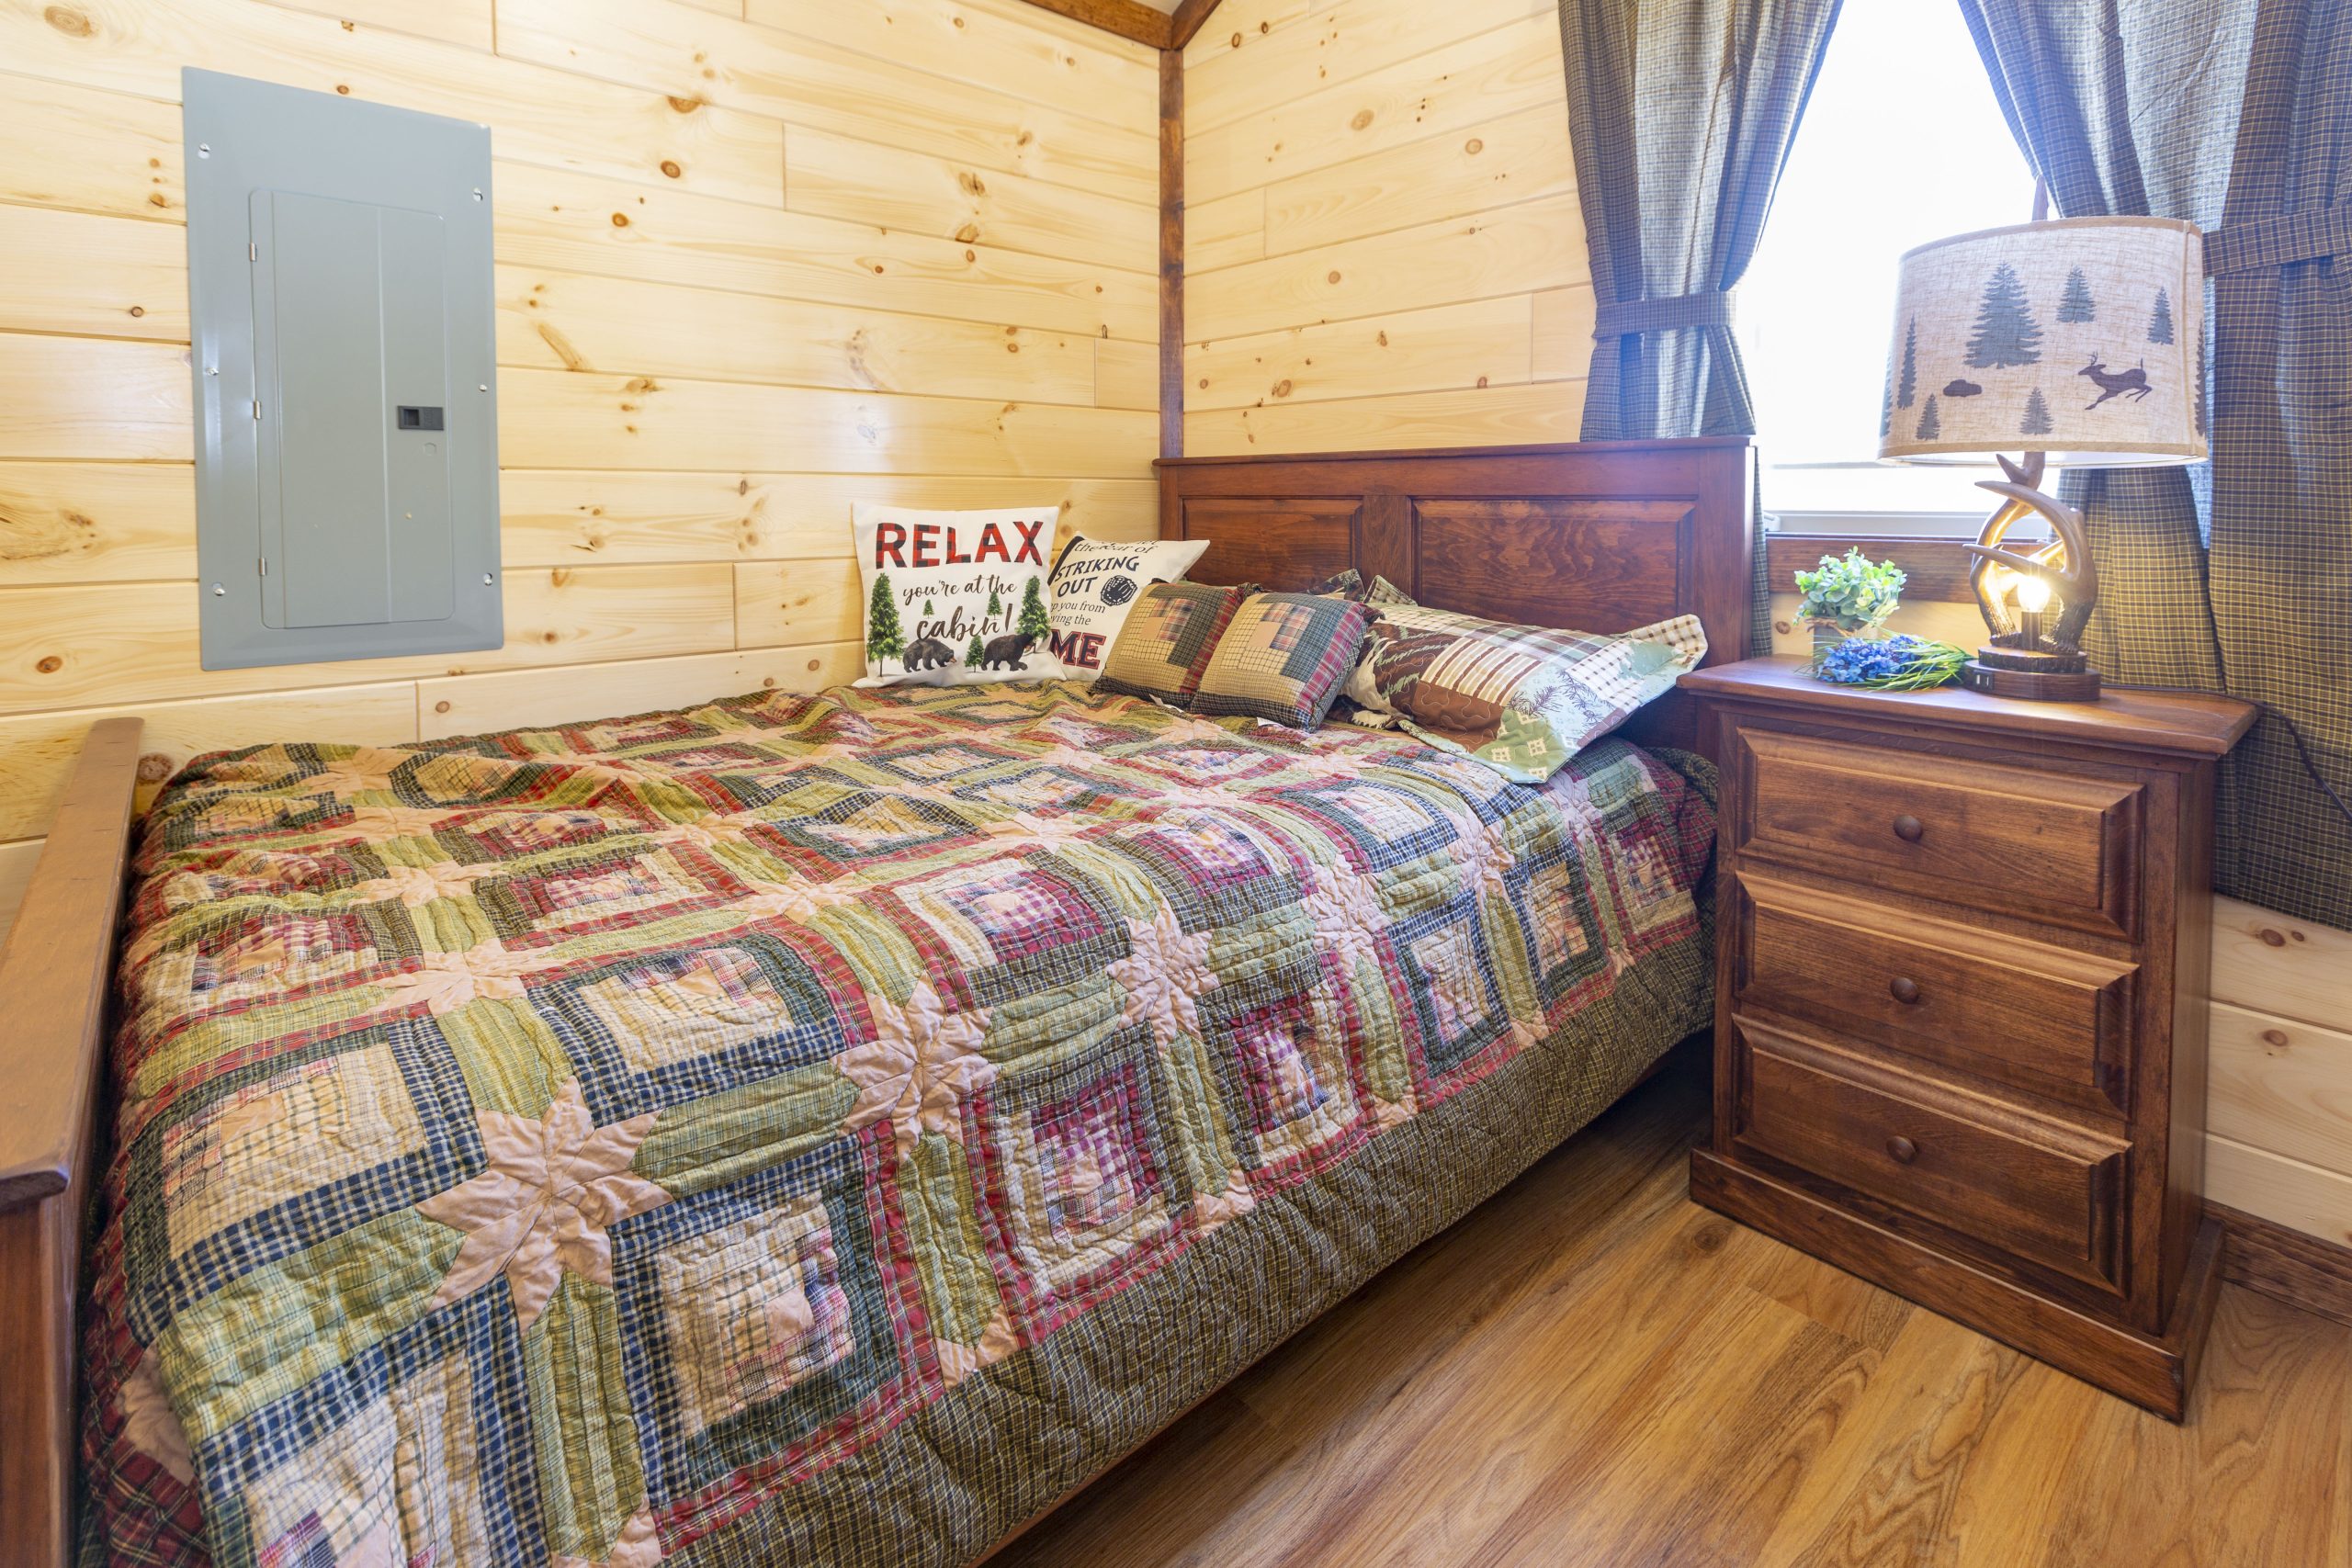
{"x": 1171, "y": 252}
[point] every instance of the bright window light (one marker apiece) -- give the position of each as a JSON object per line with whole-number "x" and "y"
{"x": 1902, "y": 144}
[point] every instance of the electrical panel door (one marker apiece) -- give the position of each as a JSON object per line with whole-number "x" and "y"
{"x": 339, "y": 273}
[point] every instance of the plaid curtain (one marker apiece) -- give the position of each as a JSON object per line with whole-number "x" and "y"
{"x": 2281, "y": 563}
{"x": 1681, "y": 113}
{"x": 2234, "y": 116}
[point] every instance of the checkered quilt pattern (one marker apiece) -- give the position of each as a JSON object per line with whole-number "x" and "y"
{"x": 811, "y": 1130}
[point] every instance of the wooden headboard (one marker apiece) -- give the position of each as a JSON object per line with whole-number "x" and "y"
{"x": 1598, "y": 536}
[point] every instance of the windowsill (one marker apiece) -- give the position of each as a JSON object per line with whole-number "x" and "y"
{"x": 1895, "y": 525}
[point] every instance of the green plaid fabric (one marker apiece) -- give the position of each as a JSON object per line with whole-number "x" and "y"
{"x": 1681, "y": 113}
{"x": 2235, "y": 578}
{"x": 2281, "y": 564}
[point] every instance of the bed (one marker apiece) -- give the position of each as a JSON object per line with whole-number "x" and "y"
{"x": 829, "y": 1129}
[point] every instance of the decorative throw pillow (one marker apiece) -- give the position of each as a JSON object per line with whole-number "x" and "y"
{"x": 955, "y": 598}
{"x": 1522, "y": 699}
{"x": 1167, "y": 640}
{"x": 1361, "y": 699}
{"x": 1095, "y": 583}
{"x": 1284, "y": 657}
{"x": 1350, "y": 584}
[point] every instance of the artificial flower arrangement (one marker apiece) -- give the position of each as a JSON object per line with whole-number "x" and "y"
{"x": 1852, "y": 596}
{"x": 1847, "y": 602}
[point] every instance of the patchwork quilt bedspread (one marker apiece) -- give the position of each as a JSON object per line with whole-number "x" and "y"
{"x": 811, "y": 1130}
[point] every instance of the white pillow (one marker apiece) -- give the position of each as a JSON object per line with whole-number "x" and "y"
{"x": 1096, "y": 582}
{"x": 955, "y": 598}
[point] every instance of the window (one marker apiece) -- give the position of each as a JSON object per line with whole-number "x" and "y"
{"x": 1902, "y": 144}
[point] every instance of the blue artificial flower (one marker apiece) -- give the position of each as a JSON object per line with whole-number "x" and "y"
{"x": 1857, "y": 661}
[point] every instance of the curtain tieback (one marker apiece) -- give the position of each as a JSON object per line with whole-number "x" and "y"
{"x": 1709, "y": 309}
{"x": 2278, "y": 241}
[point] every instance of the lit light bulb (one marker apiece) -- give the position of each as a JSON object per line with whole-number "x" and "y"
{"x": 2033, "y": 595}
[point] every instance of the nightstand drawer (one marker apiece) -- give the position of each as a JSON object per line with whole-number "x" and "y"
{"x": 2048, "y": 845}
{"x": 2046, "y": 1020}
{"x": 2036, "y": 1191}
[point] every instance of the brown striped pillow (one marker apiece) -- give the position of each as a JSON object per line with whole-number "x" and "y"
{"x": 1522, "y": 699}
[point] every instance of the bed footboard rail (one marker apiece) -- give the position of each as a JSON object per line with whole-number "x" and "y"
{"x": 56, "y": 972}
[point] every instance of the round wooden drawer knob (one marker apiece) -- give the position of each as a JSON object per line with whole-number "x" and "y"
{"x": 1905, "y": 990}
{"x": 1903, "y": 1149}
{"x": 1908, "y": 829}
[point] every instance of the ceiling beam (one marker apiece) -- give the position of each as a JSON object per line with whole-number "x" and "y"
{"x": 1131, "y": 18}
{"x": 1128, "y": 18}
{"x": 1189, "y": 16}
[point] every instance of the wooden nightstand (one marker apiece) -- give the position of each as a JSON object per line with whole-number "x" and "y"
{"x": 1960, "y": 1017}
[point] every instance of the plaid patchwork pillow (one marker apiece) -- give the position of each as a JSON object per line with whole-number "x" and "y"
{"x": 1167, "y": 640}
{"x": 1284, "y": 658}
{"x": 1522, "y": 699}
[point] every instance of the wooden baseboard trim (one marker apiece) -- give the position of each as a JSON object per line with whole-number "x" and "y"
{"x": 2153, "y": 1374}
{"x": 2285, "y": 1264}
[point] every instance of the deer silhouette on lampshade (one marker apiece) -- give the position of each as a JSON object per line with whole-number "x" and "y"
{"x": 2131, "y": 383}
{"x": 2005, "y": 313}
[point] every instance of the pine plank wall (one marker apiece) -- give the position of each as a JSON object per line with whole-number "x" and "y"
{"x": 760, "y": 258}
{"x": 1383, "y": 246}
{"x": 751, "y": 267}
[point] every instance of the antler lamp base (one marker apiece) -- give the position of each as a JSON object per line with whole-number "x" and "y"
{"x": 2023, "y": 659}
{"x": 2050, "y": 677}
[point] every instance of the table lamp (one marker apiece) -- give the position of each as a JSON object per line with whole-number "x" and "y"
{"x": 2079, "y": 341}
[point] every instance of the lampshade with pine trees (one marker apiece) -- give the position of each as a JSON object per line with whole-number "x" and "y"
{"x": 2082, "y": 337}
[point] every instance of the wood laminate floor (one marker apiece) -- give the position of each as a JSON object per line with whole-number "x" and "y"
{"x": 1590, "y": 1369}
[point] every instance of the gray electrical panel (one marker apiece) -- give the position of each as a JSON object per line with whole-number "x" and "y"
{"x": 347, "y": 452}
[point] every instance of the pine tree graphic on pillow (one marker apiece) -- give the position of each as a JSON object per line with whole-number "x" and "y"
{"x": 885, "y": 638}
{"x": 1035, "y": 621}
